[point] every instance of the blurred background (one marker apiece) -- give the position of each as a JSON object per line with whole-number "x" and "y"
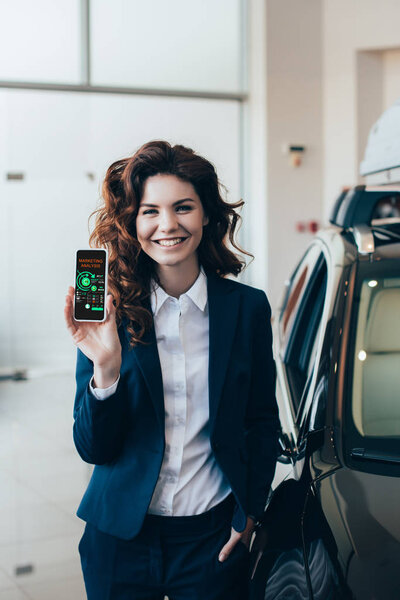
{"x": 279, "y": 94}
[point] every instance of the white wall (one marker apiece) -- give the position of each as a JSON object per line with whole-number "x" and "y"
{"x": 369, "y": 97}
{"x": 391, "y": 77}
{"x": 332, "y": 68}
{"x": 351, "y": 27}
{"x": 254, "y": 238}
{"x": 294, "y": 109}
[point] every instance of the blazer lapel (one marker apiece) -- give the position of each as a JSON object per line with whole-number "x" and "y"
{"x": 223, "y": 302}
{"x": 148, "y": 360}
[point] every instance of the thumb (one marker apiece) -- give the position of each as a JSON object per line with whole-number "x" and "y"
{"x": 227, "y": 549}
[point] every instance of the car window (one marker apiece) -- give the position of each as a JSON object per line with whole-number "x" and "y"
{"x": 372, "y": 381}
{"x": 301, "y": 348}
{"x": 294, "y": 294}
{"x": 376, "y": 371}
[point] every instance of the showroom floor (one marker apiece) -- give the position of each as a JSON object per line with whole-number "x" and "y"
{"x": 42, "y": 480}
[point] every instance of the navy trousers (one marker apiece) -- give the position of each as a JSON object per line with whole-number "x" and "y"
{"x": 171, "y": 556}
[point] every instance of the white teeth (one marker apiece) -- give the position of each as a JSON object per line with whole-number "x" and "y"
{"x": 170, "y": 242}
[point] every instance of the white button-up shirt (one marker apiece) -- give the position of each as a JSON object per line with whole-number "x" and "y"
{"x": 190, "y": 481}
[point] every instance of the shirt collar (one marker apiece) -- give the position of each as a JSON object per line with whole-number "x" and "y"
{"x": 197, "y": 293}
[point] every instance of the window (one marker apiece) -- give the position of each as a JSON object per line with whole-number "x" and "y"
{"x": 376, "y": 371}
{"x": 303, "y": 340}
{"x": 40, "y": 41}
{"x": 294, "y": 294}
{"x": 201, "y": 42}
{"x": 372, "y": 411}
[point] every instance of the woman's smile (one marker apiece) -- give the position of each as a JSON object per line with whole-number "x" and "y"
{"x": 170, "y": 242}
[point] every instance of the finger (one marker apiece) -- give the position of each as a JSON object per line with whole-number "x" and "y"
{"x": 229, "y": 546}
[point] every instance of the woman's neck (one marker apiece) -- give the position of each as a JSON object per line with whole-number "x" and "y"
{"x": 178, "y": 279}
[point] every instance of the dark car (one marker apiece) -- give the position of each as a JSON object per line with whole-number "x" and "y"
{"x": 332, "y": 526}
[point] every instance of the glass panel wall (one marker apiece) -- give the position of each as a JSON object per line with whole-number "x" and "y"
{"x": 40, "y": 41}
{"x": 177, "y": 44}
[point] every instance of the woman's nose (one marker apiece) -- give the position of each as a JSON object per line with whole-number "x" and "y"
{"x": 168, "y": 221}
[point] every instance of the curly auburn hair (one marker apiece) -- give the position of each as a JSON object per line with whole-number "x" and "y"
{"x": 130, "y": 269}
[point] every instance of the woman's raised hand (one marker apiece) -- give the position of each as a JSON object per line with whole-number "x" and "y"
{"x": 99, "y": 341}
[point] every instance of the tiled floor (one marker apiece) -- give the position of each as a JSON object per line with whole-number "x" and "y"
{"x": 42, "y": 480}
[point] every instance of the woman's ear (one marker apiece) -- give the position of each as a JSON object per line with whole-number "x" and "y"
{"x": 205, "y": 220}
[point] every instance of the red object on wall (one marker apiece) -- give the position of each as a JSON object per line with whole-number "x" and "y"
{"x": 300, "y": 226}
{"x": 310, "y": 226}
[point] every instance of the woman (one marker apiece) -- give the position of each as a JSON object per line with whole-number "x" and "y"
{"x": 175, "y": 402}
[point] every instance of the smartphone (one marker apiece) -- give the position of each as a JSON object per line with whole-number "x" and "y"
{"x": 91, "y": 269}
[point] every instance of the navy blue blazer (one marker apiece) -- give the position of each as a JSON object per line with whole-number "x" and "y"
{"x": 123, "y": 436}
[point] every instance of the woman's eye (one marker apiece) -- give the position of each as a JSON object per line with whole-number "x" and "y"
{"x": 180, "y": 208}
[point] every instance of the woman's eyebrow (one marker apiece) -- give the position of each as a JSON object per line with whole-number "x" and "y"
{"x": 174, "y": 204}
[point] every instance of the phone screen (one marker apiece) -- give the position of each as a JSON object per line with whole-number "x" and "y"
{"x": 90, "y": 284}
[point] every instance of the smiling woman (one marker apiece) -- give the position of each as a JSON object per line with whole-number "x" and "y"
{"x": 177, "y": 409}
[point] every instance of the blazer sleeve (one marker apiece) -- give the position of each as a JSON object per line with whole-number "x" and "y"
{"x": 261, "y": 421}
{"x": 99, "y": 425}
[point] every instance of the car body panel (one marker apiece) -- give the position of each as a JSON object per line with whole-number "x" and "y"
{"x": 362, "y": 511}
{"x": 332, "y": 527}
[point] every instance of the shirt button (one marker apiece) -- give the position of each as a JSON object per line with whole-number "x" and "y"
{"x": 180, "y": 420}
{"x": 179, "y": 386}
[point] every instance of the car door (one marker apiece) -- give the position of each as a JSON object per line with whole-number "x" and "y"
{"x": 320, "y": 565}
{"x": 278, "y": 563}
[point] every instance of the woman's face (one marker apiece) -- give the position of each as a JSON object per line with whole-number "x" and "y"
{"x": 170, "y": 221}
